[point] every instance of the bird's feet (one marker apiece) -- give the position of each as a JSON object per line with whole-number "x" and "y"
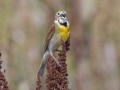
{"x": 58, "y": 50}
{"x": 58, "y": 64}
{"x": 55, "y": 59}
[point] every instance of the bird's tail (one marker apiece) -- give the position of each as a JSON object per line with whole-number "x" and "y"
{"x": 43, "y": 64}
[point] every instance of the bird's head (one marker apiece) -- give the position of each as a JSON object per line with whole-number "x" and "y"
{"x": 60, "y": 14}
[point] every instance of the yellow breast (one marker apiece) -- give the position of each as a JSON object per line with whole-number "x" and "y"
{"x": 63, "y": 32}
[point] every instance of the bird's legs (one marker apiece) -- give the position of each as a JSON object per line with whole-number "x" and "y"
{"x": 55, "y": 59}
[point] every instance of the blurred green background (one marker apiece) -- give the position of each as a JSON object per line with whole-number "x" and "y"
{"x": 94, "y": 56}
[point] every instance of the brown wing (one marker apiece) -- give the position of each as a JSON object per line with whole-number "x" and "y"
{"x": 49, "y": 36}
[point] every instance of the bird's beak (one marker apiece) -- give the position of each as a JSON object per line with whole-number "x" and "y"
{"x": 63, "y": 15}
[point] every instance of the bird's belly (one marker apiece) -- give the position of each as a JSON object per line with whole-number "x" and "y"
{"x": 55, "y": 42}
{"x": 64, "y": 35}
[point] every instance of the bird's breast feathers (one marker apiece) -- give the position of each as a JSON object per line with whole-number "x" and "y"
{"x": 63, "y": 32}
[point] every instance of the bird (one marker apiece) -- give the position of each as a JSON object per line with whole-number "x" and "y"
{"x": 60, "y": 30}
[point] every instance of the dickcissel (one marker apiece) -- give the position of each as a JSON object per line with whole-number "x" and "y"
{"x": 59, "y": 31}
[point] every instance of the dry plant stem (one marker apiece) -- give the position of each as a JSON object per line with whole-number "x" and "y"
{"x": 57, "y": 76}
{"x": 38, "y": 83}
{"x": 3, "y": 82}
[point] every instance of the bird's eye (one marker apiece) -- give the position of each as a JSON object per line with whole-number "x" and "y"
{"x": 58, "y": 13}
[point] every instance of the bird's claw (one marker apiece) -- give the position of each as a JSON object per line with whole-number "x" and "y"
{"x": 58, "y": 64}
{"x": 58, "y": 50}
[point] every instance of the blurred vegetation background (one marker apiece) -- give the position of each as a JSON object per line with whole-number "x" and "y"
{"x": 94, "y": 58}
